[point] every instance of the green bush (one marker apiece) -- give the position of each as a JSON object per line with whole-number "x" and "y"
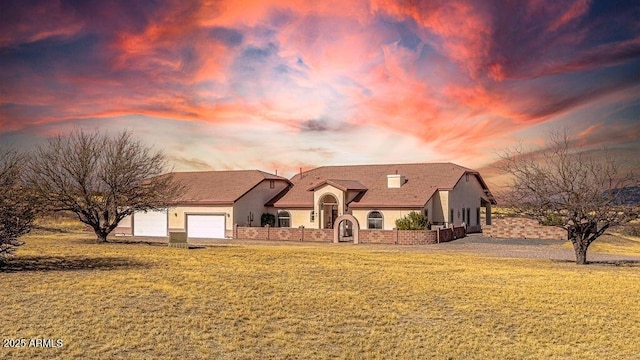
{"x": 553, "y": 220}
{"x": 413, "y": 221}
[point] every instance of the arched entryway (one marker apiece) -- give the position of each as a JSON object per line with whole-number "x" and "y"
{"x": 353, "y": 227}
{"x": 328, "y": 211}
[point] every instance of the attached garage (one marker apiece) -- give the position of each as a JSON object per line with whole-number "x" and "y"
{"x": 206, "y": 226}
{"x": 150, "y": 223}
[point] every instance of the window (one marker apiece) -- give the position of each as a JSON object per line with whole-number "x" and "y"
{"x": 468, "y": 216}
{"x": 374, "y": 220}
{"x": 451, "y": 217}
{"x": 284, "y": 219}
{"x": 463, "y": 217}
{"x": 312, "y": 216}
{"x": 477, "y": 216}
{"x": 272, "y": 184}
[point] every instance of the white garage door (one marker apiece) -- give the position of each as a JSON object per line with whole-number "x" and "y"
{"x": 151, "y": 223}
{"x": 205, "y": 226}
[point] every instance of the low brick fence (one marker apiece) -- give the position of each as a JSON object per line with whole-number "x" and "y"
{"x": 399, "y": 237}
{"x": 283, "y": 234}
{"x": 522, "y": 228}
{"x": 395, "y": 236}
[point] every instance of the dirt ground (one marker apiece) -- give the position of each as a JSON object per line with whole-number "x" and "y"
{"x": 527, "y": 248}
{"x": 474, "y": 243}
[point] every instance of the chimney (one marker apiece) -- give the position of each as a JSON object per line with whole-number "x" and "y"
{"x": 395, "y": 181}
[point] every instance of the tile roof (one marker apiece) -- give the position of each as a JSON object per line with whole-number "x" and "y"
{"x": 220, "y": 187}
{"x": 344, "y": 185}
{"x": 422, "y": 181}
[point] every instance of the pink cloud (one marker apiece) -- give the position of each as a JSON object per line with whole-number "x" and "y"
{"x": 448, "y": 73}
{"x": 44, "y": 20}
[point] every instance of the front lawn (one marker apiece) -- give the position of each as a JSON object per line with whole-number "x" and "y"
{"x": 312, "y": 301}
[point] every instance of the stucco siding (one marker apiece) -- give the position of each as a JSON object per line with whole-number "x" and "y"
{"x": 252, "y": 203}
{"x": 178, "y": 215}
{"x": 302, "y": 217}
{"x": 466, "y": 194}
{"x": 389, "y": 216}
{"x": 440, "y": 207}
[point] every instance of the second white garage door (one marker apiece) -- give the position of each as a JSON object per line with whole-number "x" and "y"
{"x": 206, "y": 226}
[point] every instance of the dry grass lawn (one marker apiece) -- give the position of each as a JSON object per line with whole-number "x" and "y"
{"x": 292, "y": 301}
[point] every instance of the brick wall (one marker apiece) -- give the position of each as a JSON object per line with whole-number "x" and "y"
{"x": 377, "y": 237}
{"x": 459, "y": 232}
{"x": 318, "y": 235}
{"x": 446, "y": 235}
{"x": 254, "y": 233}
{"x": 404, "y": 237}
{"x": 400, "y": 237}
{"x": 283, "y": 234}
{"x": 521, "y": 228}
{"x": 413, "y": 237}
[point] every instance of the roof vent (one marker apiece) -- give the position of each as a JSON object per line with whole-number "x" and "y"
{"x": 395, "y": 181}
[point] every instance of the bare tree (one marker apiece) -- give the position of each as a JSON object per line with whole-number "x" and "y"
{"x": 101, "y": 178}
{"x": 569, "y": 187}
{"x": 17, "y": 205}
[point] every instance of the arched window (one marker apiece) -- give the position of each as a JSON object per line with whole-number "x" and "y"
{"x": 284, "y": 219}
{"x": 374, "y": 220}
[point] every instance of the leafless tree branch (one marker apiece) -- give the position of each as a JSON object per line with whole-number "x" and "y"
{"x": 17, "y": 205}
{"x": 101, "y": 178}
{"x": 566, "y": 186}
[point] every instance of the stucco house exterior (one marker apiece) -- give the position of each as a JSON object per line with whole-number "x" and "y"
{"x": 371, "y": 196}
{"x": 214, "y": 201}
{"x": 377, "y": 195}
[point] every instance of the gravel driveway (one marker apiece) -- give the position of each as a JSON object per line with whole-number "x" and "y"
{"x": 528, "y": 248}
{"x": 473, "y": 243}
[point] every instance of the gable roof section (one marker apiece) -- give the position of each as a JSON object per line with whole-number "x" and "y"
{"x": 220, "y": 187}
{"x": 422, "y": 181}
{"x": 344, "y": 185}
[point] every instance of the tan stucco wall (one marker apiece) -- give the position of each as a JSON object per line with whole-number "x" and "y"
{"x": 389, "y": 216}
{"x": 440, "y": 208}
{"x": 253, "y": 202}
{"x": 319, "y": 193}
{"x": 466, "y": 194}
{"x": 126, "y": 222}
{"x": 328, "y": 189}
{"x": 302, "y": 217}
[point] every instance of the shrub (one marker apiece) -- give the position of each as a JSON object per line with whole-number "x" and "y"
{"x": 267, "y": 219}
{"x": 412, "y": 221}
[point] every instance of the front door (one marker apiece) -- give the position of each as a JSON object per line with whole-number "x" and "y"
{"x": 330, "y": 215}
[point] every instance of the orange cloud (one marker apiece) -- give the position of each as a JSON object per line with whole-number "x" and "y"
{"x": 447, "y": 77}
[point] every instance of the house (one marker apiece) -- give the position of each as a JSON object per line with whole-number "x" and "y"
{"x": 377, "y": 195}
{"x": 214, "y": 201}
{"x": 367, "y": 196}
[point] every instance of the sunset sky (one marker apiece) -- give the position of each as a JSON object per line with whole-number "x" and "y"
{"x": 287, "y": 84}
